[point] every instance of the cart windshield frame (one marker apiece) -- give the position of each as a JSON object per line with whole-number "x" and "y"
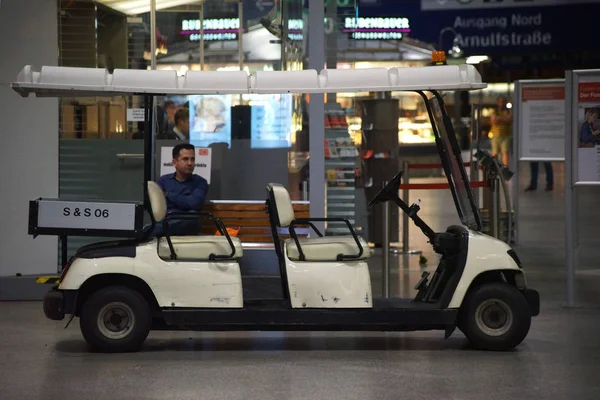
{"x": 452, "y": 163}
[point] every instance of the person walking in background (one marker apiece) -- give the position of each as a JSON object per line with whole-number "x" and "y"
{"x": 181, "y": 129}
{"x": 535, "y": 166}
{"x": 501, "y": 130}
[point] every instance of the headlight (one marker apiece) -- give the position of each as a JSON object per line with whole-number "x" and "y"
{"x": 520, "y": 281}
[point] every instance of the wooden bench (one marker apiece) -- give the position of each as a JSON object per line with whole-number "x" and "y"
{"x": 252, "y": 220}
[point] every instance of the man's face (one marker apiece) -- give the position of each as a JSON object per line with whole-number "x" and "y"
{"x": 185, "y": 163}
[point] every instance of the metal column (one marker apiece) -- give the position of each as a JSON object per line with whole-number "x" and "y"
{"x": 570, "y": 211}
{"x": 516, "y": 156}
{"x": 316, "y": 112}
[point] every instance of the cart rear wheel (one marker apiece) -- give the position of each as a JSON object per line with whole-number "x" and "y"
{"x": 115, "y": 319}
{"x": 495, "y": 317}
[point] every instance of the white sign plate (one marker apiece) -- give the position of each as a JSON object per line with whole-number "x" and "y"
{"x": 203, "y": 161}
{"x": 542, "y": 122}
{"x": 86, "y": 215}
{"x": 135, "y": 114}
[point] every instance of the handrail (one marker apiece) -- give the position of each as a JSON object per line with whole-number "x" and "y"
{"x": 130, "y": 155}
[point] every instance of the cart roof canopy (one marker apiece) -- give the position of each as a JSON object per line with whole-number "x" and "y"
{"x": 52, "y": 81}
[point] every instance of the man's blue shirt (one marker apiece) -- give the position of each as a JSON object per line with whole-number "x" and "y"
{"x": 188, "y": 195}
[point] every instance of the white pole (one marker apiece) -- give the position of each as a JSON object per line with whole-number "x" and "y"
{"x": 202, "y": 36}
{"x": 316, "y": 112}
{"x": 153, "y": 34}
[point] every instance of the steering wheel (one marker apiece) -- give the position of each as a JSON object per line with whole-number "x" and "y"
{"x": 389, "y": 192}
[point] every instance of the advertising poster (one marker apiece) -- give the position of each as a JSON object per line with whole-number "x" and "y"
{"x": 203, "y": 161}
{"x": 542, "y": 122}
{"x": 588, "y": 132}
{"x": 210, "y": 119}
{"x": 271, "y": 121}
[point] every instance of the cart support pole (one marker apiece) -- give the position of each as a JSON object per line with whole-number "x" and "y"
{"x": 148, "y": 147}
{"x": 495, "y": 214}
{"x": 385, "y": 247}
{"x": 405, "y": 221}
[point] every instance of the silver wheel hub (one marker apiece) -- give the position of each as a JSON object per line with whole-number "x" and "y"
{"x": 493, "y": 317}
{"x": 116, "y": 320}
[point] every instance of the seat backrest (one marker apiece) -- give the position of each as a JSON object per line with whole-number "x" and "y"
{"x": 283, "y": 209}
{"x": 158, "y": 201}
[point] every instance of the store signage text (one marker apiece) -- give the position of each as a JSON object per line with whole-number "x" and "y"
{"x": 376, "y": 28}
{"x": 214, "y": 29}
{"x": 534, "y": 37}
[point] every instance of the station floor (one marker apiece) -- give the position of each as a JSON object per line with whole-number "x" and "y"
{"x": 560, "y": 359}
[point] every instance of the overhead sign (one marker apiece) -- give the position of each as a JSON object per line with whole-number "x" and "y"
{"x": 473, "y": 4}
{"x": 541, "y": 121}
{"x": 221, "y": 29}
{"x": 500, "y": 29}
{"x": 203, "y": 161}
{"x": 376, "y": 28}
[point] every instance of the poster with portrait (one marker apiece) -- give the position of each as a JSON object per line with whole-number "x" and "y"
{"x": 210, "y": 119}
{"x": 588, "y": 129}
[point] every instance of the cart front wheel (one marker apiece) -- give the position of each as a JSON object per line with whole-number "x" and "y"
{"x": 495, "y": 317}
{"x": 115, "y": 319}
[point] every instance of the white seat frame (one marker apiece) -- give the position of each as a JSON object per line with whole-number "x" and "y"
{"x": 158, "y": 206}
{"x": 284, "y": 218}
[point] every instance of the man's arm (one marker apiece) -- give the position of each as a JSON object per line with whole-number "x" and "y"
{"x": 195, "y": 200}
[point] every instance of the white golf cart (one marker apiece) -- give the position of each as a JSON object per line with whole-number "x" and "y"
{"x": 122, "y": 289}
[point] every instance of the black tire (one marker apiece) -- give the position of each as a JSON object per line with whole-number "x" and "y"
{"x": 115, "y": 319}
{"x": 495, "y": 317}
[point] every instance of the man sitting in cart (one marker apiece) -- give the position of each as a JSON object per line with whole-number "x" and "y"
{"x": 184, "y": 191}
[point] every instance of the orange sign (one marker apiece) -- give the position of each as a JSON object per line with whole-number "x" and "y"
{"x": 543, "y": 93}
{"x": 589, "y": 91}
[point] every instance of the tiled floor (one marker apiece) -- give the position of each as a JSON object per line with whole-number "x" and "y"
{"x": 560, "y": 358}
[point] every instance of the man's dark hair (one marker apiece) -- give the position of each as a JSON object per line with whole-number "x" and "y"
{"x": 181, "y": 114}
{"x": 181, "y": 146}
